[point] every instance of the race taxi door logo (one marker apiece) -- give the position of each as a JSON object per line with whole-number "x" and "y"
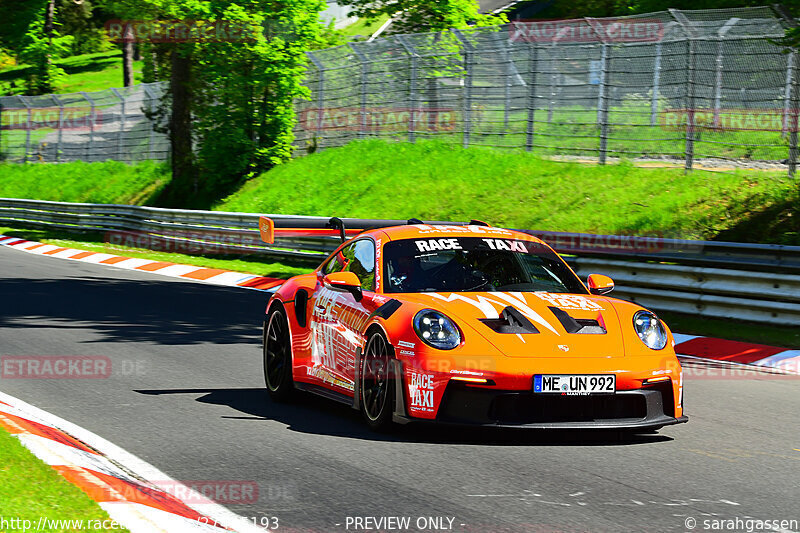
{"x": 420, "y": 390}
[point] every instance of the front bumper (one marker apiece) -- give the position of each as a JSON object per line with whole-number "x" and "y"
{"x": 648, "y": 408}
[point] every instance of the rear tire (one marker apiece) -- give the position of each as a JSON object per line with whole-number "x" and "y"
{"x": 377, "y": 384}
{"x": 278, "y": 356}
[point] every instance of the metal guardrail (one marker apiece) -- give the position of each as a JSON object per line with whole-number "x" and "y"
{"x": 753, "y": 282}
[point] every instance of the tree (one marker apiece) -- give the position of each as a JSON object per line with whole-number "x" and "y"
{"x": 233, "y": 80}
{"x": 414, "y": 16}
{"x": 41, "y": 43}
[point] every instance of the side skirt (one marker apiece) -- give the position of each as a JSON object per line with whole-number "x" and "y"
{"x": 325, "y": 393}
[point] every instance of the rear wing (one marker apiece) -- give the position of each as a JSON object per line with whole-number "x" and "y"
{"x": 276, "y": 227}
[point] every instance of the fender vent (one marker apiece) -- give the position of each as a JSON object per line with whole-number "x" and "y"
{"x": 510, "y": 321}
{"x": 582, "y": 326}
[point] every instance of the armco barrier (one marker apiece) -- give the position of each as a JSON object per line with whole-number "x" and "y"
{"x": 753, "y": 282}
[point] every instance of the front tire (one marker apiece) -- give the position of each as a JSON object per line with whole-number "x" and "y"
{"x": 377, "y": 383}
{"x": 278, "y": 356}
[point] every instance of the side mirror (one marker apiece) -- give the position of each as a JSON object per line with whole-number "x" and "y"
{"x": 600, "y": 284}
{"x": 344, "y": 281}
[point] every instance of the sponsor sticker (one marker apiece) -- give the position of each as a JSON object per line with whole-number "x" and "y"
{"x": 420, "y": 390}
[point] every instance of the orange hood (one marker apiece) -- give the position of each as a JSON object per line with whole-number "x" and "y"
{"x": 475, "y": 310}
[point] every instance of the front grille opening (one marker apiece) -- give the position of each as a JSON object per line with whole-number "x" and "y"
{"x": 524, "y": 409}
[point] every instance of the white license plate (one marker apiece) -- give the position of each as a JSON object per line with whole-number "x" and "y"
{"x": 575, "y": 383}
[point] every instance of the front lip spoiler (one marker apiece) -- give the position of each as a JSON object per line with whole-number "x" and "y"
{"x": 634, "y": 423}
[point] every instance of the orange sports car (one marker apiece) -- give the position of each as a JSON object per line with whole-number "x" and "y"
{"x": 468, "y": 324}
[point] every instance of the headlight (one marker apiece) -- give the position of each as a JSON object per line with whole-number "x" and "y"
{"x": 650, "y": 330}
{"x": 436, "y": 330}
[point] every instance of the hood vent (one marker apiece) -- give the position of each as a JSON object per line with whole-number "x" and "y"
{"x": 510, "y": 321}
{"x": 583, "y": 326}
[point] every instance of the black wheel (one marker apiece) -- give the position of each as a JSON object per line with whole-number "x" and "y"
{"x": 278, "y": 356}
{"x": 377, "y": 383}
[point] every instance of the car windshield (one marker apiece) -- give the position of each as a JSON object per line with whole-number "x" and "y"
{"x": 467, "y": 264}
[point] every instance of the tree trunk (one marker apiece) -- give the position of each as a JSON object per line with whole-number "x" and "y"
{"x": 184, "y": 179}
{"x": 127, "y": 56}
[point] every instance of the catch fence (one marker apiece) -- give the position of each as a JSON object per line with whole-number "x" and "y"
{"x": 88, "y": 126}
{"x": 675, "y": 85}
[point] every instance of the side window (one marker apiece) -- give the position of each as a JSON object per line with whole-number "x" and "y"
{"x": 360, "y": 260}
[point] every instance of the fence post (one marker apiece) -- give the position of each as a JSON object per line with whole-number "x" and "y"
{"x": 793, "y": 123}
{"x": 787, "y": 93}
{"x": 507, "y": 96}
{"x": 681, "y": 19}
{"x": 602, "y": 104}
{"x": 28, "y": 128}
{"x": 656, "y": 83}
{"x": 553, "y": 76}
{"x": 60, "y": 127}
{"x": 320, "y": 99}
{"x": 121, "y": 123}
{"x": 412, "y": 87}
{"x": 602, "y": 96}
{"x": 468, "y": 51}
{"x": 91, "y": 125}
{"x": 362, "y": 129}
{"x": 718, "y": 81}
{"x": 690, "y": 111}
{"x": 150, "y": 99}
{"x": 534, "y": 59}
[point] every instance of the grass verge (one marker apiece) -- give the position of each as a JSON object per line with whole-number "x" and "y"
{"x": 439, "y": 181}
{"x": 94, "y": 242}
{"x": 30, "y": 489}
{"x": 87, "y": 72}
{"x": 107, "y": 182}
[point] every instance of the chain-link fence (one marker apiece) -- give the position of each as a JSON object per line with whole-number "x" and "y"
{"x": 678, "y": 85}
{"x": 96, "y": 126}
{"x": 674, "y": 85}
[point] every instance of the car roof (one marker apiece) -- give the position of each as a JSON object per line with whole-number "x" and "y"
{"x": 426, "y": 231}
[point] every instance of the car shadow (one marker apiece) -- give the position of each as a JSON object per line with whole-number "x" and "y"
{"x": 307, "y": 413}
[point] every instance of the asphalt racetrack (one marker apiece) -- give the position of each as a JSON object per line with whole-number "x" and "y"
{"x": 185, "y": 393}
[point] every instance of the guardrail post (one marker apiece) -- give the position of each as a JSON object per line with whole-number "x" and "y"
{"x": 362, "y": 130}
{"x": 413, "y": 57}
{"x": 60, "y": 127}
{"x": 121, "y": 123}
{"x": 320, "y": 99}
{"x": 534, "y": 60}
{"x": 468, "y": 52}
{"x": 91, "y": 125}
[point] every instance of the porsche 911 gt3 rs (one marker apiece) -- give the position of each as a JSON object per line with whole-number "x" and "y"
{"x": 469, "y": 324}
